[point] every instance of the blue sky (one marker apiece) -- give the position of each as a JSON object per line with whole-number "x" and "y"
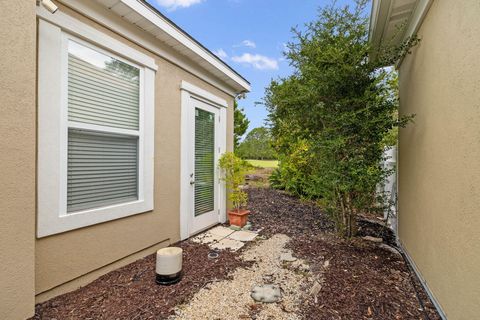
{"x": 248, "y": 34}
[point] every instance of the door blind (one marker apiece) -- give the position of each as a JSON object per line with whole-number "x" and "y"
{"x": 102, "y": 169}
{"x": 204, "y": 161}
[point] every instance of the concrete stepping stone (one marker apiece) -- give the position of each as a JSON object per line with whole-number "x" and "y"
{"x": 206, "y": 238}
{"x": 221, "y": 231}
{"x": 243, "y": 236}
{"x": 267, "y": 293}
{"x": 227, "y": 244}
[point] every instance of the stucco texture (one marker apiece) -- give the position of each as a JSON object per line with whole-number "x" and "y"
{"x": 64, "y": 257}
{"x": 17, "y": 142}
{"x": 439, "y": 170}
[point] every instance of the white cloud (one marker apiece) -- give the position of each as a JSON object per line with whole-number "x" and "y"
{"x": 246, "y": 43}
{"x": 257, "y": 61}
{"x": 249, "y": 43}
{"x": 175, "y": 4}
{"x": 221, "y": 54}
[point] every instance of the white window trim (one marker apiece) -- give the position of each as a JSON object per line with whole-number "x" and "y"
{"x": 202, "y": 94}
{"x": 53, "y": 127}
{"x": 83, "y": 30}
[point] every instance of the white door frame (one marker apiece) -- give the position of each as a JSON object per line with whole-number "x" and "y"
{"x": 190, "y": 92}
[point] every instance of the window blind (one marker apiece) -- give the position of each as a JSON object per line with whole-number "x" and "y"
{"x": 102, "y": 169}
{"x": 107, "y": 96}
{"x": 204, "y": 161}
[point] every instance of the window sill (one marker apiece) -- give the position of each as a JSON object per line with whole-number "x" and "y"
{"x": 54, "y": 224}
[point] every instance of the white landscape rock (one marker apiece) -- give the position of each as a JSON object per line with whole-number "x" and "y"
{"x": 316, "y": 288}
{"x": 267, "y": 293}
{"x": 389, "y": 248}
{"x": 287, "y": 257}
{"x": 372, "y": 239}
{"x": 326, "y": 264}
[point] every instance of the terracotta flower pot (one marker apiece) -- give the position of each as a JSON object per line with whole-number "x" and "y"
{"x": 238, "y": 217}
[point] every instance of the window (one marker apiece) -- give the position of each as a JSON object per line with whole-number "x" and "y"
{"x": 103, "y": 96}
{"x": 95, "y": 130}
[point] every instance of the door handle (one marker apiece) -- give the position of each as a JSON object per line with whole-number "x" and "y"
{"x": 192, "y": 182}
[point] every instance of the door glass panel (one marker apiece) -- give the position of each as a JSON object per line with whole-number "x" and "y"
{"x": 204, "y": 161}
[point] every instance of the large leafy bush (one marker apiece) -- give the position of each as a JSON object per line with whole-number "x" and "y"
{"x": 331, "y": 117}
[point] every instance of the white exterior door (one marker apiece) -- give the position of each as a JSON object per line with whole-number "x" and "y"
{"x": 204, "y": 159}
{"x": 203, "y": 194}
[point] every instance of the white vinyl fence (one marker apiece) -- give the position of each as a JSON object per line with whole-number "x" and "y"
{"x": 389, "y": 187}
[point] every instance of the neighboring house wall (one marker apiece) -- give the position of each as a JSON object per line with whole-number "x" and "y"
{"x": 94, "y": 250}
{"x": 17, "y": 122}
{"x": 439, "y": 167}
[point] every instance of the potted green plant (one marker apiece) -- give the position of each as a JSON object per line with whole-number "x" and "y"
{"x": 234, "y": 170}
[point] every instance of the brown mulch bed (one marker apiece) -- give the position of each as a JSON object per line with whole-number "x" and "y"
{"x": 362, "y": 280}
{"x": 278, "y": 212}
{"x": 131, "y": 292}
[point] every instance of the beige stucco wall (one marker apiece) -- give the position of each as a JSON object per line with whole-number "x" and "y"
{"x": 17, "y": 142}
{"x": 61, "y": 258}
{"x": 439, "y": 166}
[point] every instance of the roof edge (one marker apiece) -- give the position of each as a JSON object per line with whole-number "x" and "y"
{"x": 174, "y": 25}
{"x": 201, "y": 62}
{"x": 381, "y": 14}
{"x": 417, "y": 18}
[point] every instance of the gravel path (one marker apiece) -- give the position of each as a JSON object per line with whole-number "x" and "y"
{"x": 232, "y": 299}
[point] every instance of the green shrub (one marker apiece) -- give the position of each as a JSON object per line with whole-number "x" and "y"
{"x": 276, "y": 180}
{"x": 331, "y": 119}
{"x": 234, "y": 170}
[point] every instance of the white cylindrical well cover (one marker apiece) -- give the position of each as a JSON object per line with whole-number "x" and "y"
{"x": 169, "y": 261}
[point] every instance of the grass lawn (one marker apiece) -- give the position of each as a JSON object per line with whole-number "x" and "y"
{"x": 264, "y": 163}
